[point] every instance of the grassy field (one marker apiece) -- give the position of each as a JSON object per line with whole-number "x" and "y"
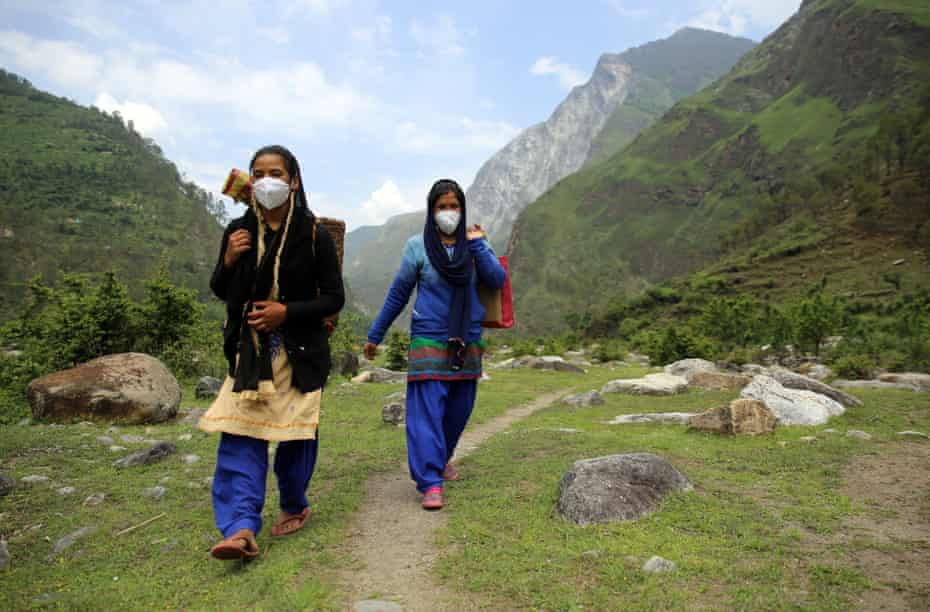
{"x": 774, "y": 522}
{"x": 166, "y": 563}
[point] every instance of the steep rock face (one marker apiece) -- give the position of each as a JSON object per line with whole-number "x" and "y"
{"x": 547, "y": 152}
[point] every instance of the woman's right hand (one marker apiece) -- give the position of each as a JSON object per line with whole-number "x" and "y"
{"x": 371, "y": 351}
{"x": 239, "y": 242}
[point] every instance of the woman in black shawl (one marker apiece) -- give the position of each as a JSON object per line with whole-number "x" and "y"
{"x": 279, "y": 275}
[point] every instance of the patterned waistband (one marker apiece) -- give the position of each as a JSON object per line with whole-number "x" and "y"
{"x": 429, "y": 360}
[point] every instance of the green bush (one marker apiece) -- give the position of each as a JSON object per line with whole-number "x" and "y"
{"x": 854, "y": 367}
{"x": 396, "y": 356}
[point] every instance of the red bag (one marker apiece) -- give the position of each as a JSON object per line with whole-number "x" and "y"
{"x": 498, "y": 303}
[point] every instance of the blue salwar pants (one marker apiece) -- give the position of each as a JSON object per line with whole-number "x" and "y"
{"x": 241, "y": 471}
{"x": 437, "y": 412}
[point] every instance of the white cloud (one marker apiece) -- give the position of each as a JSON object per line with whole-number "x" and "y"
{"x": 737, "y": 16}
{"x": 318, "y": 7}
{"x": 64, "y": 62}
{"x": 277, "y": 35}
{"x": 439, "y": 38}
{"x": 384, "y": 202}
{"x": 453, "y": 136}
{"x": 620, "y": 7}
{"x": 569, "y": 77}
{"x": 146, "y": 119}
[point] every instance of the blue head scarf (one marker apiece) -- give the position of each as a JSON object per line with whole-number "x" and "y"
{"x": 457, "y": 269}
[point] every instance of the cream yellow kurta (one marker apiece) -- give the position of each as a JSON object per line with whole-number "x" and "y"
{"x": 285, "y": 414}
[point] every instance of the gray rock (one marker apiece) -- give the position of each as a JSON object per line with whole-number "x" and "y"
{"x": 66, "y": 491}
{"x": 638, "y": 359}
{"x": 791, "y": 380}
{"x": 4, "y": 554}
{"x": 24, "y": 422}
{"x": 859, "y": 434}
{"x": 792, "y": 406}
{"x": 808, "y": 438}
{"x": 154, "y": 492}
{"x": 591, "y": 554}
{"x": 753, "y": 369}
{"x": 380, "y": 375}
{"x": 190, "y": 459}
{"x": 617, "y": 488}
{"x": 132, "y": 439}
{"x": 192, "y": 416}
{"x": 185, "y": 437}
{"x": 376, "y": 605}
{"x": 35, "y": 479}
{"x": 7, "y": 484}
{"x": 130, "y": 387}
{"x": 393, "y": 413}
{"x": 583, "y": 400}
{"x": 148, "y": 456}
{"x": 94, "y": 500}
{"x": 920, "y": 382}
{"x": 740, "y": 417}
{"x": 871, "y": 384}
{"x": 207, "y": 387}
{"x": 687, "y": 367}
{"x": 675, "y": 418}
{"x": 658, "y": 565}
{"x": 69, "y": 540}
{"x": 116, "y": 448}
{"x": 913, "y": 434}
{"x": 106, "y": 440}
{"x": 651, "y": 384}
{"x": 820, "y": 372}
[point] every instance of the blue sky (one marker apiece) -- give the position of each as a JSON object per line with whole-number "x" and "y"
{"x": 376, "y": 99}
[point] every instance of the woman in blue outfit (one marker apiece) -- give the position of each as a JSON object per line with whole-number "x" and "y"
{"x": 445, "y": 264}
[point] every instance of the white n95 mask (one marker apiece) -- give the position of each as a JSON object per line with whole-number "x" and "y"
{"x": 271, "y": 192}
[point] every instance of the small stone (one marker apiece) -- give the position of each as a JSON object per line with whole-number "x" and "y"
{"x": 85, "y": 424}
{"x": 149, "y": 431}
{"x": 591, "y": 554}
{"x": 808, "y": 438}
{"x": 192, "y": 416}
{"x": 831, "y": 431}
{"x": 856, "y": 433}
{"x": 107, "y": 440}
{"x": 146, "y": 457}
{"x": 66, "y": 491}
{"x": 154, "y": 492}
{"x": 95, "y": 500}
{"x": 7, "y": 484}
{"x": 4, "y": 555}
{"x": 35, "y": 479}
{"x": 132, "y": 439}
{"x": 25, "y": 422}
{"x": 393, "y": 413}
{"x": 207, "y": 387}
{"x": 658, "y": 565}
{"x": 185, "y": 437}
{"x": 915, "y": 434}
{"x": 190, "y": 459}
{"x": 898, "y": 262}
{"x": 69, "y": 540}
{"x": 165, "y": 479}
{"x": 376, "y": 605}
{"x": 782, "y": 443}
{"x": 583, "y": 400}
{"x": 117, "y": 449}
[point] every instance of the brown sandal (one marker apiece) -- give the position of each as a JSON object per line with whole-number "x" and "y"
{"x": 289, "y": 523}
{"x": 240, "y": 545}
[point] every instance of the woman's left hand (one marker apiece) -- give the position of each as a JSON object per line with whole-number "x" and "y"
{"x": 474, "y": 231}
{"x": 267, "y": 316}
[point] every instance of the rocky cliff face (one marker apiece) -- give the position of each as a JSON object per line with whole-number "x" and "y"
{"x": 547, "y": 152}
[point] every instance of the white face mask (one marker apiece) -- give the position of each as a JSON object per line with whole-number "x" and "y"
{"x": 447, "y": 220}
{"x": 271, "y": 192}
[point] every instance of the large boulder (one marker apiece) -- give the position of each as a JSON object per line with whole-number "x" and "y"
{"x": 688, "y": 367}
{"x": 792, "y": 380}
{"x": 920, "y": 382}
{"x": 718, "y": 381}
{"x": 207, "y": 387}
{"x": 651, "y": 384}
{"x": 127, "y": 387}
{"x": 792, "y": 406}
{"x": 617, "y": 488}
{"x": 740, "y": 417}
{"x": 583, "y": 400}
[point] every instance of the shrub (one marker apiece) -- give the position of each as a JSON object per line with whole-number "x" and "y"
{"x": 396, "y": 356}
{"x": 854, "y": 367}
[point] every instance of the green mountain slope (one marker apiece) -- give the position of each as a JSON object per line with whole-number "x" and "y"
{"x": 81, "y": 192}
{"x": 664, "y": 71}
{"x": 818, "y": 136}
